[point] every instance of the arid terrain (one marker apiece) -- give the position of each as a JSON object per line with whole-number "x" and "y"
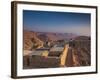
{"x": 81, "y": 51}
{"x": 49, "y": 49}
{"x": 39, "y": 38}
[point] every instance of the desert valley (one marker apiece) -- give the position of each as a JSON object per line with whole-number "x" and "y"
{"x": 51, "y": 50}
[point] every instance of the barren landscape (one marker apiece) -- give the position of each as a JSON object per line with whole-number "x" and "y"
{"x": 56, "y": 39}
{"x": 55, "y": 50}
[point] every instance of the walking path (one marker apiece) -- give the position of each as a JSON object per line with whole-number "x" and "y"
{"x": 69, "y": 59}
{"x": 64, "y": 55}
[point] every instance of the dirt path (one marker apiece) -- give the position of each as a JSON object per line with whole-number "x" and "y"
{"x": 69, "y": 59}
{"x": 64, "y": 55}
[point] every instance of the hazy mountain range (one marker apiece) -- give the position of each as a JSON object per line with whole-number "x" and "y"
{"x": 41, "y": 37}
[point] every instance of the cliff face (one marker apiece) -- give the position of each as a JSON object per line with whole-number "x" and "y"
{"x": 31, "y": 40}
{"x": 82, "y": 51}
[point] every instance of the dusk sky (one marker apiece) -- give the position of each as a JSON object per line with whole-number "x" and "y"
{"x": 61, "y": 22}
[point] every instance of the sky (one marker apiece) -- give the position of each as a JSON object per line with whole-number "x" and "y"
{"x": 61, "y": 22}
